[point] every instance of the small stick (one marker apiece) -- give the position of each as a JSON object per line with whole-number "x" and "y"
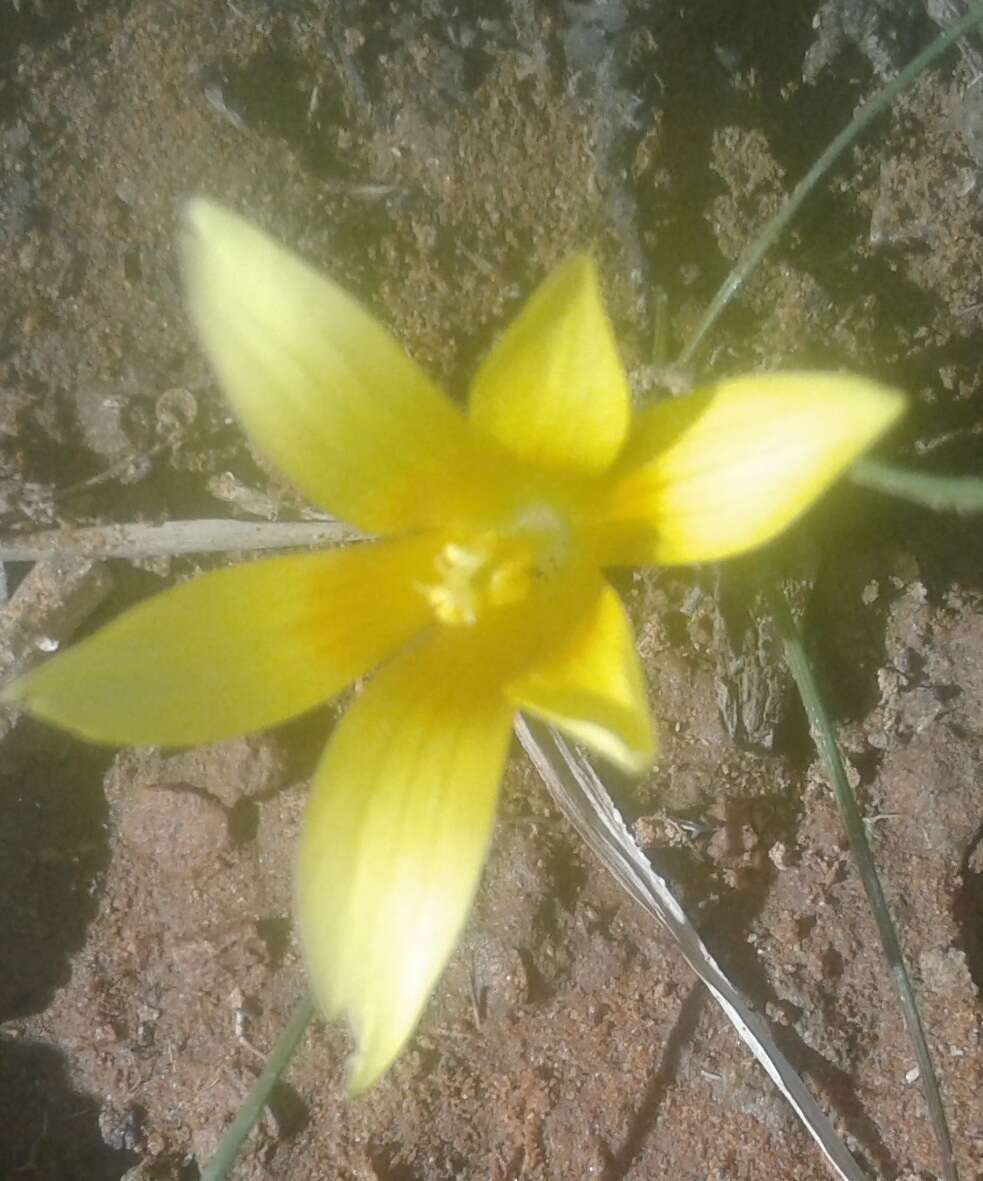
{"x": 173, "y": 537}
{"x": 581, "y": 795}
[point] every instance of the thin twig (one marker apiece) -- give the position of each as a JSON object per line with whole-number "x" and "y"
{"x": 235, "y": 1136}
{"x": 958, "y": 494}
{"x": 172, "y": 538}
{"x": 580, "y": 794}
{"x": 755, "y": 251}
{"x": 822, "y": 730}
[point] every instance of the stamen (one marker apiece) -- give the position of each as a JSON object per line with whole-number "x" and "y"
{"x": 498, "y": 567}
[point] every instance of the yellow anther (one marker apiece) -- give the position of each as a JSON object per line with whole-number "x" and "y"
{"x": 494, "y": 569}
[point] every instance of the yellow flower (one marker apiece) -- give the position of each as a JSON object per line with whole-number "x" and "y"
{"x": 484, "y": 594}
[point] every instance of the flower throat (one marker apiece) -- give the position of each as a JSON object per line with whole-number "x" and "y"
{"x": 497, "y": 567}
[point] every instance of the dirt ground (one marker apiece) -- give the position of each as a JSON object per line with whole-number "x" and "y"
{"x": 438, "y": 158}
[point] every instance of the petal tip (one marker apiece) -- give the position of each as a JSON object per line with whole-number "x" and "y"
{"x": 580, "y": 266}
{"x": 363, "y": 1073}
{"x": 578, "y": 274}
{"x": 641, "y": 760}
{"x": 634, "y": 760}
{"x": 895, "y": 405}
{"x": 553, "y": 389}
{"x": 198, "y": 212}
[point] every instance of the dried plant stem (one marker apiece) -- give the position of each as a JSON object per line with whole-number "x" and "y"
{"x": 581, "y": 795}
{"x": 958, "y": 494}
{"x": 755, "y": 251}
{"x": 234, "y": 1138}
{"x": 825, "y": 739}
{"x": 173, "y": 538}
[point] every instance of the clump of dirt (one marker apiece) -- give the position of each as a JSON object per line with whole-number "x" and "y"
{"x": 438, "y": 161}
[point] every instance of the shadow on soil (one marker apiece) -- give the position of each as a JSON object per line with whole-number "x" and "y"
{"x": 50, "y": 1131}
{"x": 53, "y": 850}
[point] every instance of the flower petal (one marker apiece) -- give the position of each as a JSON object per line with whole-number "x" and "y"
{"x": 718, "y": 472}
{"x": 323, "y": 389}
{"x": 237, "y": 649}
{"x": 594, "y": 689}
{"x": 394, "y": 840}
{"x": 553, "y": 390}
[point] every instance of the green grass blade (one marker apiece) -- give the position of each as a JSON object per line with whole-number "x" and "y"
{"x": 244, "y": 1122}
{"x": 959, "y": 494}
{"x": 822, "y": 730}
{"x": 755, "y": 251}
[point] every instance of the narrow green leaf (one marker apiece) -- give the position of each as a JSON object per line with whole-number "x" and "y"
{"x": 958, "y": 494}
{"x": 225, "y": 1157}
{"x": 755, "y": 251}
{"x": 825, "y": 739}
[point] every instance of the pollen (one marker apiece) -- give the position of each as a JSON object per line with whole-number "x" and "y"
{"x": 496, "y": 568}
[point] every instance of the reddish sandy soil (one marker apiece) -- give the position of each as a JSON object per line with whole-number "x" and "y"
{"x": 438, "y": 158}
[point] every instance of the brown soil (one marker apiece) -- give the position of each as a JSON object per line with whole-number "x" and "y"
{"x": 438, "y": 158}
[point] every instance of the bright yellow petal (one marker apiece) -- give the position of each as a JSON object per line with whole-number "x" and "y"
{"x": 721, "y": 471}
{"x": 235, "y": 650}
{"x": 394, "y": 840}
{"x": 553, "y": 390}
{"x": 593, "y": 688}
{"x": 323, "y": 389}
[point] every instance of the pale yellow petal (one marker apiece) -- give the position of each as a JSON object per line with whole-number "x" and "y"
{"x": 323, "y": 389}
{"x": 553, "y": 390}
{"x": 718, "y": 472}
{"x": 394, "y": 840}
{"x": 236, "y": 650}
{"x": 593, "y": 687}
